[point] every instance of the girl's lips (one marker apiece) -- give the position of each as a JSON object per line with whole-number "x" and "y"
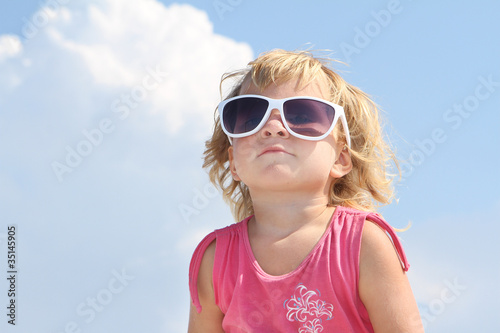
{"x": 271, "y": 150}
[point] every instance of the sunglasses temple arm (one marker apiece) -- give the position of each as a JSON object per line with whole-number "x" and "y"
{"x": 346, "y": 130}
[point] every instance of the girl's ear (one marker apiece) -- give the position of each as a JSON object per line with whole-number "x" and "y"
{"x": 342, "y": 165}
{"x": 232, "y": 167}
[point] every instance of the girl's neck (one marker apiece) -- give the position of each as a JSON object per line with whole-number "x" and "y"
{"x": 282, "y": 216}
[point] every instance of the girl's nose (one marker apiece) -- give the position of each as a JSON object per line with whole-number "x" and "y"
{"x": 274, "y": 126}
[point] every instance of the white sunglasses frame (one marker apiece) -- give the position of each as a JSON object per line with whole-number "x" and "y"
{"x": 278, "y": 104}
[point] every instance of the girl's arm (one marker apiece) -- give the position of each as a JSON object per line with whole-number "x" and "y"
{"x": 383, "y": 285}
{"x": 209, "y": 320}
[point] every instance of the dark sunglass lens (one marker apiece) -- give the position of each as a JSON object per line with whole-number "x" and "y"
{"x": 308, "y": 117}
{"x": 244, "y": 114}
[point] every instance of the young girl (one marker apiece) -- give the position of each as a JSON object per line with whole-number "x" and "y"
{"x": 299, "y": 156}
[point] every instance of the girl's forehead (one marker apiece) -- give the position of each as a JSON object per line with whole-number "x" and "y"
{"x": 317, "y": 87}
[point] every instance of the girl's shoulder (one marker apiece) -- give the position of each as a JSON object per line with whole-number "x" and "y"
{"x": 235, "y": 228}
{"x": 204, "y": 254}
{"x": 374, "y": 228}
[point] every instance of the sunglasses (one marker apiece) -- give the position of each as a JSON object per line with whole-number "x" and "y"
{"x": 308, "y": 118}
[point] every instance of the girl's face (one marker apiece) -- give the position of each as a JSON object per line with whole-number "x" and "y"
{"x": 274, "y": 160}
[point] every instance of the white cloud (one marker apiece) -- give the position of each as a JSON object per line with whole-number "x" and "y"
{"x": 116, "y": 41}
{"x": 125, "y": 90}
{"x": 10, "y": 46}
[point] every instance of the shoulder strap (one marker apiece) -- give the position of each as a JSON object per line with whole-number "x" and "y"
{"x": 194, "y": 268}
{"x": 376, "y": 218}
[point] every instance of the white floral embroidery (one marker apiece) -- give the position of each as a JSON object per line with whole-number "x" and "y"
{"x": 303, "y": 309}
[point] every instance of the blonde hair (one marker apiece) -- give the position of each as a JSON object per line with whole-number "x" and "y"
{"x": 367, "y": 186}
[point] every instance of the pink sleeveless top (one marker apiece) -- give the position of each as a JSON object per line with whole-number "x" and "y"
{"x": 320, "y": 295}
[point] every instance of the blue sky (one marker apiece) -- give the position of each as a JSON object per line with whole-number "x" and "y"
{"x": 105, "y": 105}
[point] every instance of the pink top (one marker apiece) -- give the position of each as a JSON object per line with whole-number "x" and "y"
{"x": 320, "y": 295}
